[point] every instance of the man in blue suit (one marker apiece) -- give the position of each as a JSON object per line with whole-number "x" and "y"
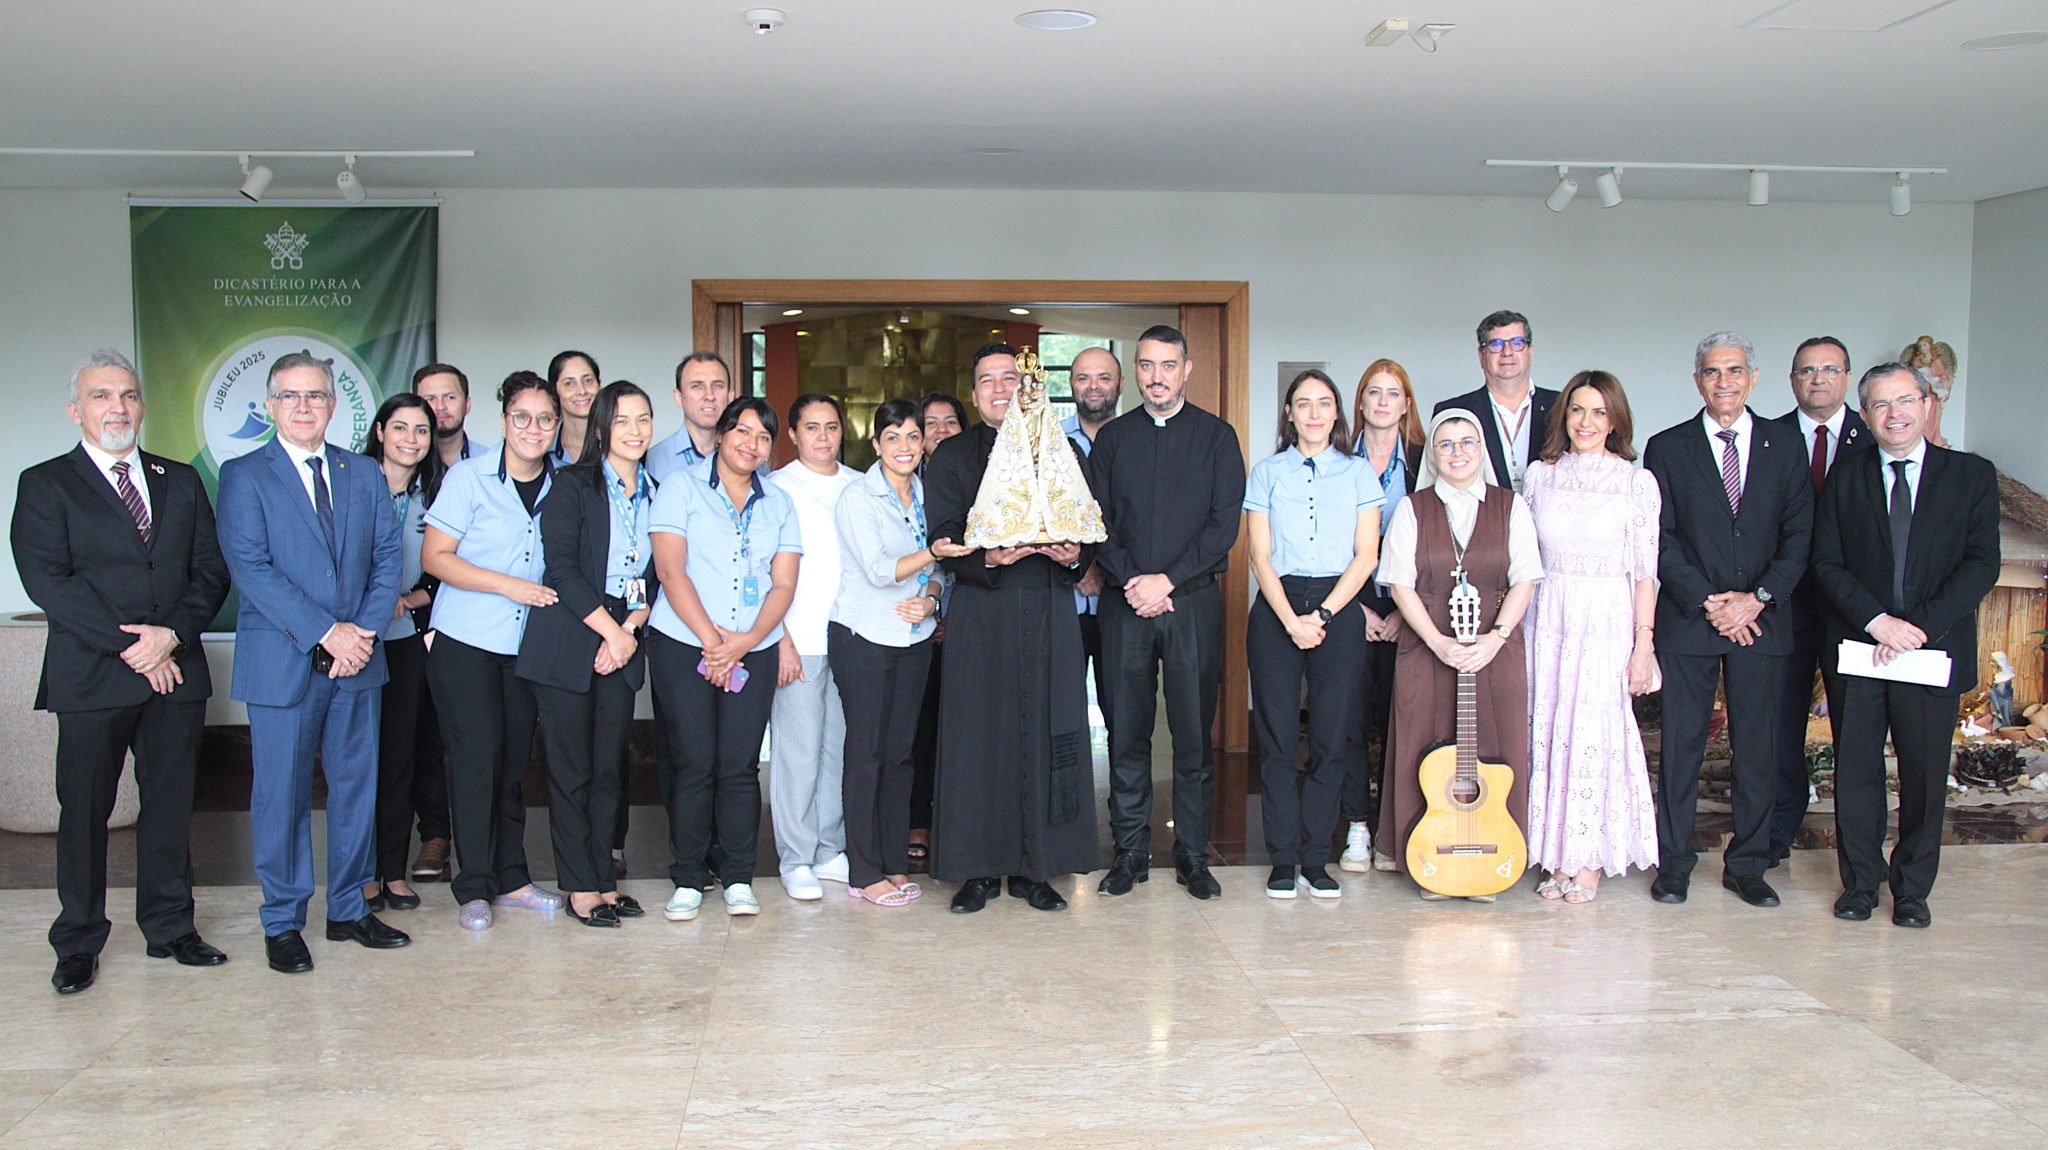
{"x": 314, "y": 548}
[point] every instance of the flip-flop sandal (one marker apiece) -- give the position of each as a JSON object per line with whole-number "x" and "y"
{"x": 894, "y": 898}
{"x": 1553, "y": 888}
{"x": 920, "y": 852}
{"x": 1577, "y": 895}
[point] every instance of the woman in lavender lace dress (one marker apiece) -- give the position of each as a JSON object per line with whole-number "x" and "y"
{"x": 1590, "y": 639}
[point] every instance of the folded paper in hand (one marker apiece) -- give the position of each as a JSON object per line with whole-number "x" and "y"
{"x": 1929, "y": 668}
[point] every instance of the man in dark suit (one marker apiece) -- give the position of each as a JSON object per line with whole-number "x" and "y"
{"x": 117, "y": 547}
{"x": 1512, "y": 412}
{"x": 313, "y": 544}
{"x": 1736, "y": 526}
{"x": 1905, "y": 548}
{"x": 1828, "y": 431}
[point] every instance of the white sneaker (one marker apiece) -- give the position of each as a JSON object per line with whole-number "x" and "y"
{"x": 801, "y": 884}
{"x": 682, "y": 905}
{"x": 740, "y": 900}
{"x": 833, "y": 869}
{"x": 1357, "y": 856}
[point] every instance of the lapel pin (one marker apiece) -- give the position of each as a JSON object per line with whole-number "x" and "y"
{"x": 158, "y": 468}
{"x": 1767, "y": 444}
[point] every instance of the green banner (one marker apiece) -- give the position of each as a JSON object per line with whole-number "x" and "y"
{"x": 221, "y": 291}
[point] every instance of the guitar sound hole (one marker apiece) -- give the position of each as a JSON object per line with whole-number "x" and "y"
{"x": 1464, "y": 791}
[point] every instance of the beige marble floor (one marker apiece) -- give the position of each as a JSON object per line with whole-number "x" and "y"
{"x": 1153, "y": 1020}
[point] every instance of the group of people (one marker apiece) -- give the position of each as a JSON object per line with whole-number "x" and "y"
{"x": 433, "y": 598}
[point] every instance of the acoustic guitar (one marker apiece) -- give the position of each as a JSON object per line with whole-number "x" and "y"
{"x": 1466, "y": 844}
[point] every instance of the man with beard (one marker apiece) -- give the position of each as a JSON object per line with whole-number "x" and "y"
{"x": 446, "y": 390}
{"x": 1097, "y": 378}
{"x": 1014, "y": 792}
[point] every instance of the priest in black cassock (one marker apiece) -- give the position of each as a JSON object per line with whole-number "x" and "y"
{"x": 1014, "y": 792}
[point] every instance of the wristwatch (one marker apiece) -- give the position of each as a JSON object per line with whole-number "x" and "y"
{"x": 1323, "y": 613}
{"x": 1764, "y": 596}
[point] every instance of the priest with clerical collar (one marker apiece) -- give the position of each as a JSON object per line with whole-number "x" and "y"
{"x": 1014, "y": 793}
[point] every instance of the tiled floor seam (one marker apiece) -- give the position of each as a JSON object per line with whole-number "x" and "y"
{"x": 9, "y": 1128}
{"x": 1859, "y": 1021}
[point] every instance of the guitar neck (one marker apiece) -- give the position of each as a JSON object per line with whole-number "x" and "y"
{"x": 1468, "y": 726}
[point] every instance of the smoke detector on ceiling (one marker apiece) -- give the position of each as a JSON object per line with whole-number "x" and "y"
{"x": 761, "y": 21}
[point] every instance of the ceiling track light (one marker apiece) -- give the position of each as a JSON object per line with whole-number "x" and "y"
{"x": 1608, "y": 184}
{"x": 1564, "y": 191}
{"x": 255, "y": 181}
{"x": 1759, "y": 187}
{"x": 351, "y": 188}
{"x": 1902, "y": 195}
{"x": 1391, "y": 32}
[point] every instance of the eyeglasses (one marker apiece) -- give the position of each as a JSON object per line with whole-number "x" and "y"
{"x": 1829, "y": 370}
{"x": 1713, "y": 374}
{"x": 1906, "y": 403}
{"x": 1457, "y": 446}
{"x": 1496, "y": 346}
{"x": 309, "y": 398}
{"x": 525, "y": 419}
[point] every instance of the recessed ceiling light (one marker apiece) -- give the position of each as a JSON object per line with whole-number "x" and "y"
{"x": 792, "y": 311}
{"x": 2007, "y": 40}
{"x": 1020, "y": 311}
{"x": 1057, "y": 20}
{"x": 995, "y": 151}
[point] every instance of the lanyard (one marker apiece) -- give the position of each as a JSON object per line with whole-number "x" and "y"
{"x": 913, "y": 519}
{"x": 629, "y": 510}
{"x": 402, "y": 503}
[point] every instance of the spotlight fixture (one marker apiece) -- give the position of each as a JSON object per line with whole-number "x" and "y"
{"x": 1759, "y": 188}
{"x": 1902, "y": 195}
{"x": 1564, "y": 191}
{"x": 1020, "y": 311}
{"x": 351, "y": 188}
{"x": 1057, "y": 20}
{"x": 1608, "y": 184}
{"x": 792, "y": 311}
{"x": 255, "y": 181}
{"x": 1391, "y": 32}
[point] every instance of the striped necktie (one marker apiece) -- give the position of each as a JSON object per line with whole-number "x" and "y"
{"x": 1731, "y": 470}
{"x": 132, "y": 500}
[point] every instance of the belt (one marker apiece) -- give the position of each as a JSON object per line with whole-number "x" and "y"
{"x": 1195, "y": 584}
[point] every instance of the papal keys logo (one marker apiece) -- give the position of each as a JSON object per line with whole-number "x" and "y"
{"x": 287, "y": 247}
{"x": 233, "y": 415}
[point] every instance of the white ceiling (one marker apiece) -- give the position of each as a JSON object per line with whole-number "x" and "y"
{"x": 1272, "y": 95}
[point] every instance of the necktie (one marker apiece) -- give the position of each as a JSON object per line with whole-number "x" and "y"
{"x": 323, "y": 506}
{"x": 1731, "y": 470}
{"x": 1820, "y": 457}
{"x": 1902, "y": 527}
{"x": 132, "y": 499}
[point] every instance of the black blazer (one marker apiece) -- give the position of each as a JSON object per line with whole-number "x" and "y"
{"x": 1480, "y": 403}
{"x": 1951, "y": 552}
{"x": 952, "y": 479}
{"x": 1810, "y": 607}
{"x": 1705, "y": 549}
{"x": 558, "y": 647}
{"x": 82, "y": 561}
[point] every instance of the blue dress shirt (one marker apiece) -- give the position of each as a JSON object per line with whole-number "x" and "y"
{"x": 630, "y": 551}
{"x": 676, "y": 453}
{"x": 1083, "y": 604}
{"x": 726, "y": 545}
{"x": 1312, "y": 506}
{"x": 411, "y": 507}
{"x": 480, "y": 508}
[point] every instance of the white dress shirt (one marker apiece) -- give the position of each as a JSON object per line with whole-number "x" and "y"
{"x": 106, "y": 463}
{"x": 299, "y": 456}
{"x": 1742, "y": 427}
{"x": 1916, "y": 461}
{"x": 1834, "y": 425}
{"x": 1514, "y": 436}
{"x": 1397, "y": 553}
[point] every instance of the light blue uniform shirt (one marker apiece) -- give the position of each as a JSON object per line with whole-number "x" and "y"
{"x": 1083, "y": 604}
{"x": 676, "y": 453}
{"x": 1394, "y": 485}
{"x": 481, "y": 509}
{"x": 875, "y": 530}
{"x": 726, "y": 545}
{"x": 630, "y": 551}
{"x": 1312, "y": 506}
{"x": 411, "y": 507}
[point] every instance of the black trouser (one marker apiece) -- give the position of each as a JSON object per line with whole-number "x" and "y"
{"x": 924, "y": 752}
{"x": 880, "y": 689}
{"x": 1091, "y": 647}
{"x": 1755, "y": 688}
{"x": 585, "y": 735}
{"x": 1793, "y": 782}
{"x": 1187, "y": 644}
{"x": 1365, "y": 775}
{"x": 90, "y": 748}
{"x": 714, "y": 737}
{"x": 1299, "y": 827}
{"x": 408, "y": 747}
{"x": 1922, "y": 722}
{"x": 487, "y": 715}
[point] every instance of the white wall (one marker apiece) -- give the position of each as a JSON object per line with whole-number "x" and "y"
{"x": 2008, "y": 286}
{"x": 1339, "y": 278}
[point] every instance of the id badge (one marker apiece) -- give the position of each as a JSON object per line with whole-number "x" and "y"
{"x": 750, "y": 591}
{"x": 636, "y": 594}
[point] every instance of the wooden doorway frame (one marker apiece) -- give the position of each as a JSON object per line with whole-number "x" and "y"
{"x": 1215, "y": 316}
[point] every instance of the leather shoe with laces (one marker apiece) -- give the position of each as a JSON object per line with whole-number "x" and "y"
{"x": 189, "y": 950}
{"x": 75, "y": 972}
{"x": 368, "y": 931}
{"x": 1752, "y": 888}
{"x": 974, "y": 894}
{"x": 1040, "y": 895}
{"x": 1855, "y": 905}
{"x": 1130, "y": 867}
{"x": 1910, "y": 911}
{"x": 1668, "y": 889}
{"x": 1194, "y": 875}
{"x": 287, "y": 952}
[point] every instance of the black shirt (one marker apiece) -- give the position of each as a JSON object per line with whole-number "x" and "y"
{"x": 1172, "y": 492}
{"x": 529, "y": 490}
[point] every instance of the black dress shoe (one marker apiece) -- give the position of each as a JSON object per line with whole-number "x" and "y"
{"x": 287, "y": 952}
{"x": 75, "y": 972}
{"x": 1752, "y": 888}
{"x": 1039, "y": 894}
{"x": 1194, "y": 875}
{"x": 1778, "y": 855}
{"x": 392, "y": 900}
{"x": 603, "y": 914}
{"x": 189, "y": 950}
{"x": 628, "y": 907}
{"x": 1910, "y": 911}
{"x": 1669, "y": 889}
{"x": 367, "y": 931}
{"x": 1855, "y": 905}
{"x": 374, "y": 902}
{"x": 1130, "y": 867}
{"x": 974, "y": 894}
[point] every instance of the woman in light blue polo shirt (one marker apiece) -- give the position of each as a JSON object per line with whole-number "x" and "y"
{"x": 726, "y": 549}
{"x": 483, "y": 542}
{"x": 1314, "y": 533}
